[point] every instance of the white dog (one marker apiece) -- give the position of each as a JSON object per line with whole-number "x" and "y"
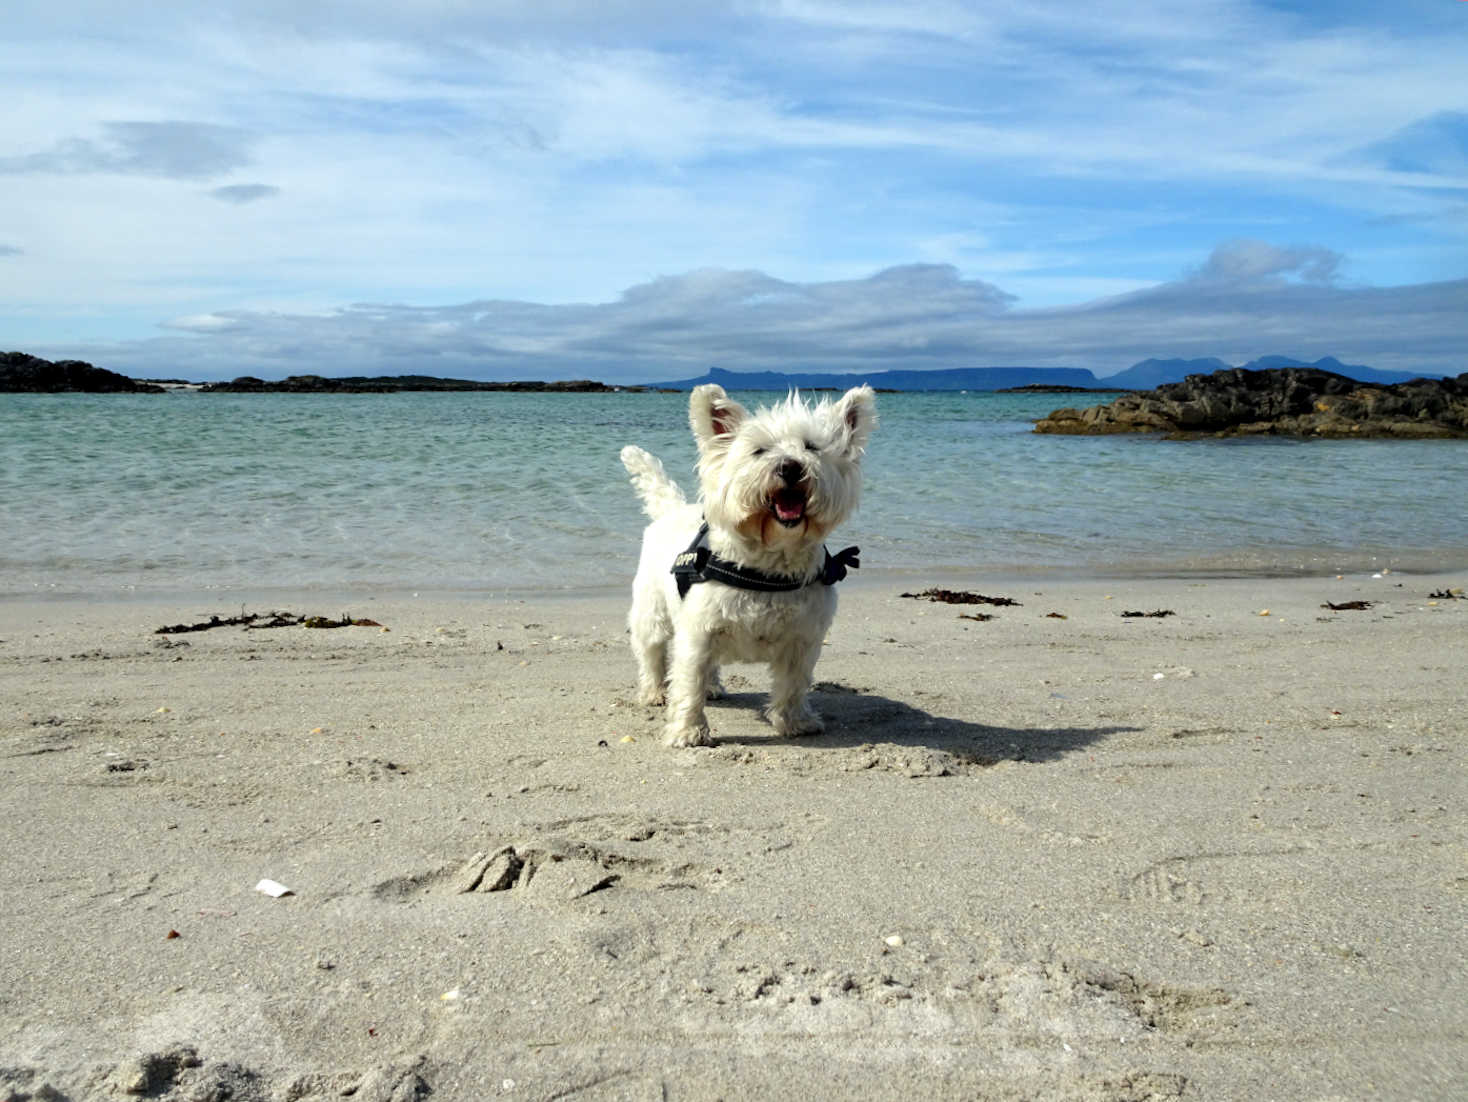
{"x": 743, "y": 575}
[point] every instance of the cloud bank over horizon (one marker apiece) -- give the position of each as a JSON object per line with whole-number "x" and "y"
{"x": 1247, "y": 300}
{"x": 636, "y": 189}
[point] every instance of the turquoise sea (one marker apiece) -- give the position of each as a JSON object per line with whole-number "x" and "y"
{"x": 188, "y": 492}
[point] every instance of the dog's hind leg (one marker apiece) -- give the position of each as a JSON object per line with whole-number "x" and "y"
{"x": 689, "y": 682}
{"x": 651, "y": 632}
{"x": 650, "y": 648}
{"x": 652, "y": 676}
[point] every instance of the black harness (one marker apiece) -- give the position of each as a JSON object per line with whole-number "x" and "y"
{"x": 700, "y": 564}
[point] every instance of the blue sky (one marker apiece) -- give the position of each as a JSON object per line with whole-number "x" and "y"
{"x": 632, "y": 190}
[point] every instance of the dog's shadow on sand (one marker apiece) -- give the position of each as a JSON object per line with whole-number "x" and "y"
{"x": 857, "y": 719}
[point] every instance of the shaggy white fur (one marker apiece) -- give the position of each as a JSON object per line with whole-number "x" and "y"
{"x": 773, "y": 485}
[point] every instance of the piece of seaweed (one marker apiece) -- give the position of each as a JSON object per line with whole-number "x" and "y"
{"x": 255, "y": 621}
{"x": 243, "y": 620}
{"x": 1345, "y": 606}
{"x": 1156, "y": 614}
{"x": 960, "y": 597}
{"x": 278, "y": 620}
{"x": 344, "y": 622}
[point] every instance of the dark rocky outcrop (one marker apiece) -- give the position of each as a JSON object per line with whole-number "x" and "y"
{"x": 20, "y": 372}
{"x": 391, "y": 384}
{"x": 1283, "y": 401}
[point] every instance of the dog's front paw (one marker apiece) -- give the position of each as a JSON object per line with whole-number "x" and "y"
{"x": 794, "y": 724}
{"x": 651, "y": 696}
{"x": 677, "y": 734}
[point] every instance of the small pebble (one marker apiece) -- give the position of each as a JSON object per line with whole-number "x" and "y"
{"x": 895, "y": 940}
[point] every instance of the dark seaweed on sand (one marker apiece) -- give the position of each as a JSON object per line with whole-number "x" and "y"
{"x": 959, "y": 597}
{"x": 257, "y": 620}
{"x": 243, "y": 620}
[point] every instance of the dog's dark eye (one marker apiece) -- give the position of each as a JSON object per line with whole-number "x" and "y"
{"x": 810, "y": 447}
{"x": 759, "y": 451}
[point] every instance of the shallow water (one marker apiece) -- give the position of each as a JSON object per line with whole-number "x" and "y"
{"x": 119, "y": 494}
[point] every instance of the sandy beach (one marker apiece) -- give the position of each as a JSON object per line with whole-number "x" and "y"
{"x": 1061, "y": 853}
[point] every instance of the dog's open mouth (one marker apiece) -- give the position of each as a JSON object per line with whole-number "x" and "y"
{"x": 788, "y": 505}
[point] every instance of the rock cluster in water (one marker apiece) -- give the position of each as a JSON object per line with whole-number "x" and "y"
{"x": 21, "y": 372}
{"x": 391, "y": 384}
{"x": 1281, "y": 401}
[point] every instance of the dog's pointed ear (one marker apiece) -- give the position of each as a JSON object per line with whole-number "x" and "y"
{"x": 857, "y": 414}
{"x": 715, "y": 416}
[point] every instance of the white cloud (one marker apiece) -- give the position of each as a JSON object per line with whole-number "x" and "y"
{"x": 174, "y": 149}
{"x": 1245, "y": 260}
{"x": 201, "y": 323}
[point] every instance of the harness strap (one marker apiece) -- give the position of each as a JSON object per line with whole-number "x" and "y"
{"x": 700, "y": 564}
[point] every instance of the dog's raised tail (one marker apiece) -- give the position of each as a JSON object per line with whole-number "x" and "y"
{"x": 659, "y": 493}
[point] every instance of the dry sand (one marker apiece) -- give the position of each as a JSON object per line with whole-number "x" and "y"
{"x": 1212, "y": 855}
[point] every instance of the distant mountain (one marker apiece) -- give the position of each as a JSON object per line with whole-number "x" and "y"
{"x": 1359, "y": 372}
{"x": 1145, "y": 375}
{"x": 960, "y": 378}
{"x": 1153, "y": 373}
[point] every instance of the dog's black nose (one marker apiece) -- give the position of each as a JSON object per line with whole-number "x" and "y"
{"x": 791, "y": 472}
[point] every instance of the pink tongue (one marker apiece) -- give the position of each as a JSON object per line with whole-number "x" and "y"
{"x": 789, "y": 507}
